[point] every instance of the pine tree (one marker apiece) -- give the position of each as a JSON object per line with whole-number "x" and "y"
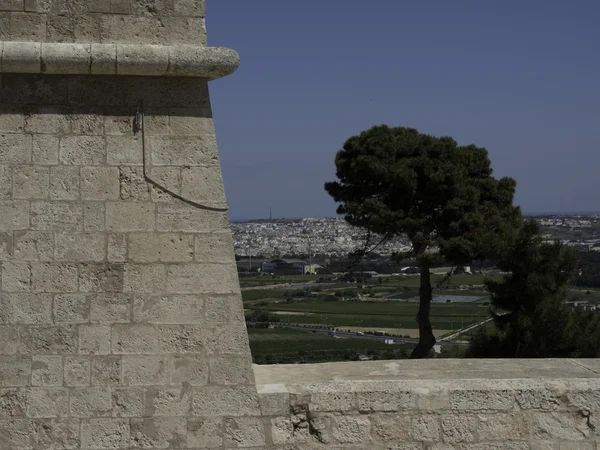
{"x": 442, "y": 196}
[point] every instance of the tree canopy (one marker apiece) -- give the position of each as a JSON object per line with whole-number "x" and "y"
{"x": 529, "y": 308}
{"x": 442, "y": 196}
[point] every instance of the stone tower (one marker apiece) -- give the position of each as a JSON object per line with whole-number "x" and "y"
{"x": 121, "y": 323}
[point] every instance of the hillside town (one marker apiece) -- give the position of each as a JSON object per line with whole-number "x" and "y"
{"x": 334, "y": 237}
{"x": 313, "y": 236}
{"x": 581, "y": 230}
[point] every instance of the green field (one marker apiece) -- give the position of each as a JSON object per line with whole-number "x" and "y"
{"x": 272, "y": 346}
{"x": 266, "y": 280}
{"x": 377, "y": 314}
{"x": 376, "y": 308}
{"x": 308, "y": 305}
{"x": 400, "y": 322}
{"x": 260, "y": 294}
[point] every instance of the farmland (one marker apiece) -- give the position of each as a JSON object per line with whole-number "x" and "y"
{"x": 280, "y": 346}
{"x": 382, "y": 303}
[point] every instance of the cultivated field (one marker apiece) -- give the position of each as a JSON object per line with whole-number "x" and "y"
{"x": 387, "y": 304}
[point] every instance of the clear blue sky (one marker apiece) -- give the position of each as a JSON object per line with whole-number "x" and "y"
{"x": 521, "y": 78}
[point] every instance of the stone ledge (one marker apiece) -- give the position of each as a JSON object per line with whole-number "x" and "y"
{"x": 428, "y": 369}
{"x": 117, "y": 59}
{"x": 437, "y": 384}
{"x": 437, "y": 404}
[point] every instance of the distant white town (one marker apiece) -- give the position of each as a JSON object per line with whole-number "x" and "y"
{"x": 324, "y": 236}
{"x": 334, "y": 237}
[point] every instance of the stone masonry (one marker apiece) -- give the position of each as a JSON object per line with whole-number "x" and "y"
{"x": 437, "y": 404}
{"x": 121, "y": 323}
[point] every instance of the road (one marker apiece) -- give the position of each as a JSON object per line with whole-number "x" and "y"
{"x": 345, "y": 334}
{"x": 458, "y": 333}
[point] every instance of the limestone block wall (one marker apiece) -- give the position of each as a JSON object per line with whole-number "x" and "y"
{"x": 435, "y": 405}
{"x": 121, "y": 323}
{"x": 106, "y": 21}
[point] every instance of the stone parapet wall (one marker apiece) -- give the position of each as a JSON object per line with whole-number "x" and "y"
{"x": 386, "y": 408}
{"x": 106, "y": 21}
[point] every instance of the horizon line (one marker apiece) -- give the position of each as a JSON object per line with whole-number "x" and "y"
{"x": 536, "y": 214}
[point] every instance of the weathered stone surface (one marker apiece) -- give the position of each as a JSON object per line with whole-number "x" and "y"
{"x": 130, "y": 216}
{"x": 5, "y": 182}
{"x": 274, "y": 400}
{"x": 133, "y": 339}
{"x": 176, "y": 309}
{"x": 94, "y": 340}
{"x": 14, "y": 371}
{"x": 101, "y": 277}
{"x": 182, "y": 339}
{"x": 122, "y": 150}
{"x": 31, "y": 182}
{"x": 99, "y": 183}
{"x": 206, "y": 433}
{"x": 213, "y": 247}
{"x": 45, "y": 149}
{"x": 48, "y": 120}
{"x": 235, "y": 402}
{"x": 46, "y": 402}
{"x": 33, "y": 309}
{"x": 185, "y": 218}
{"x": 54, "y": 277}
{"x": 121, "y": 322}
{"x": 180, "y": 151}
{"x": 127, "y": 402}
{"x": 189, "y": 369}
{"x": 57, "y": 340}
{"x": 16, "y": 277}
{"x": 209, "y": 278}
{"x": 532, "y": 423}
{"x": 167, "y": 247}
{"x": 9, "y": 346}
{"x": 62, "y": 216}
{"x": 71, "y": 308}
{"x": 105, "y": 433}
{"x": 83, "y": 247}
{"x": 47, "y": 371}
{"x": 14, "y": 215}
{"x": 556, "y": 425}
{"x": 90, "y": 402}
{"x": 93, "y": 216}
{"x": 167, "y": 402}
{"x": 350, "y": 429}
{"x": 231, "y": 371}
{"x": 390, "y": 427}
{"x": 15, "y": 148}
{"x": 117, "y": 247}
{"x": 500, "y": 426}
{"x": 106, "y": 370}
{"x": 64, "y": 183}
{"x": 425, "y": 428}
{"x": 13, "y": 403}
{"x": 161, "y": 432}
{"x": 392, "y": 400}
{"x": 145, "y": 278}
{"x": 111, "y": 308}
{"x": 77, "y": 371}
{"x": 244, "y": 432}
{"x": 145, "y": 370}
{"x": 83, "y": 150}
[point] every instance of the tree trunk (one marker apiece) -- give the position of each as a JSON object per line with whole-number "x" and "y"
{"x": 426, "y": 337}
